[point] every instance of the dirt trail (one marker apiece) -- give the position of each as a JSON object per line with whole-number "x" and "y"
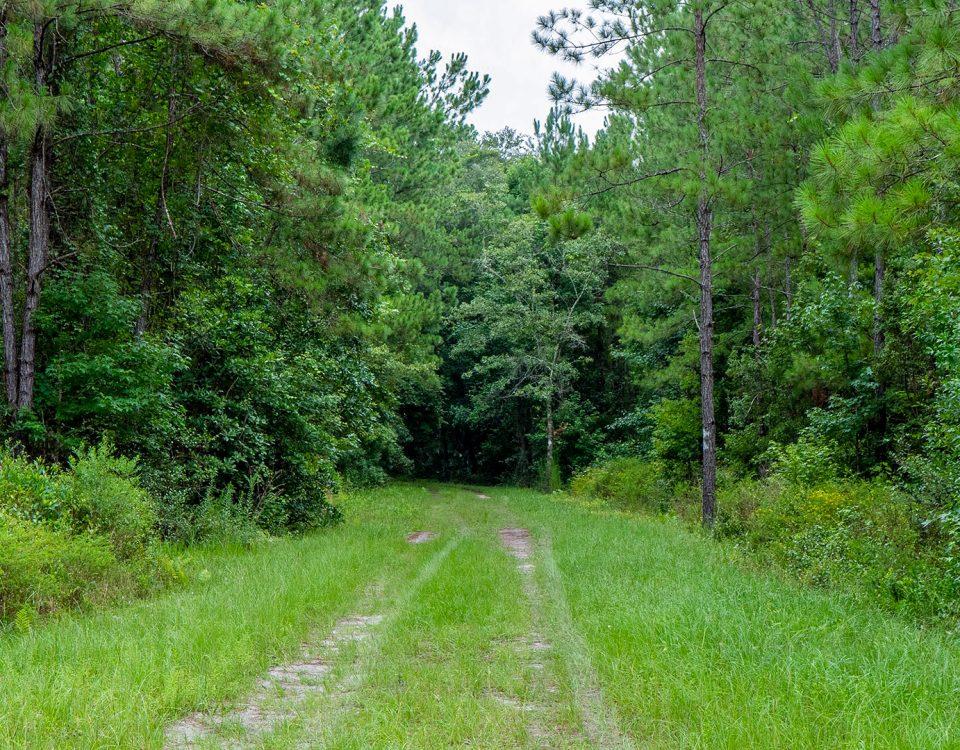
{"x": 283, "y": 691}
{"x": 600, "y": 722}
{"x": 307, "y": 699}
{"x": 280, "y": 693}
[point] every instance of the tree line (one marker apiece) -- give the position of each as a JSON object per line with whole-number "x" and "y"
{"x": 258, "y": 247}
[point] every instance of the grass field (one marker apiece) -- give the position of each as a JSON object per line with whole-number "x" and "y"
{"x": 597, "y": 631}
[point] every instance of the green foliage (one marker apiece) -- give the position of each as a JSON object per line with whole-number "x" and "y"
{"x": 862, "y": 537}
{"x": 631, "y": 483}
{"x": 43, "y": 570}
{"x": 84, "y": 535}
{"x": 222, "y": 520}
{"x": 806, "y": 463}
{"x": 523, "y": 335}
{"x": 281, "y": 263}
{"x": 106, "y": 498}
{"x": 868, "y": 539}
{"x": 100, "y": 378}
{"x": 676, "y": 430}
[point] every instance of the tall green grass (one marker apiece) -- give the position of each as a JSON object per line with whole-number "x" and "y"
{"x": 696, "y": 651}
{"x": 114, "y": 679}
{"x": 674, "y": 637}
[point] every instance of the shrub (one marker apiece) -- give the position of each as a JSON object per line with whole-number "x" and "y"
{"x": 73, "y": 536}
{"x": 43, "y": 570}
{"x": 865, "y": 537}
{"x": 107, "y": 498}
{"x": 633, "y": 483}
{"x": 807, "y": 462}
{"x": 99, "y": 493}
{"x": 222, "y": 520}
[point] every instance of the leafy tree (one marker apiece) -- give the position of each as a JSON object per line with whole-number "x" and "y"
{"x": 525, "y": 327}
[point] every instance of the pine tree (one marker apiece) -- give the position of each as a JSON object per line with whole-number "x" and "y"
{"x": 687, "y": 82}
{"x": 40, "y": 43}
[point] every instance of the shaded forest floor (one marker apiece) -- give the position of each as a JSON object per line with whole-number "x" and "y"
{"x": 442, "y": 616}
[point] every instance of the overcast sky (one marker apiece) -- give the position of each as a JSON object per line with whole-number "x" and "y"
{"x": 495, "y": 34}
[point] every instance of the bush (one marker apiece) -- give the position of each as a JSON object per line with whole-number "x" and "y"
{"x": 43, "y": 570}
{"x": 865, "y": 537}
{"x": 807, "y": 462}
{"x": 99, "y": 493}
{"x": 632, "y": 483}
{"x": 107, "y": 498}
{"x": 69, "y": 537}
{"x": 220, "y": 519}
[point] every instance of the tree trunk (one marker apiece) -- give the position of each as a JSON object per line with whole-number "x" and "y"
{"x": 788, "y": 287}
{"x": 773, "y": 308}
{"x": 835, "y": 42}
{"x": 855, "y": 30}
{"x": 879, "y": 266}
{"x": 879, "y": 270}
{"x": 876, "y": 28}
{"x": 7, "y": 310}
{"x": 148, "y": 279}
{"x": 827, "y": 37}
{"x": 39, "y": 244}
{"x": 757, "y": 314}
{"x": 550, "y": 443}
{"x": 704, "y": 233}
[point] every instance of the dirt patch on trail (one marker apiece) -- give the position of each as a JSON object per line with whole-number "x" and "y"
{"x": 476, "y": 491}
{"x": 421, "y": 537}
{"x": 279, "y": 693}
{"x": 518, "y": 542}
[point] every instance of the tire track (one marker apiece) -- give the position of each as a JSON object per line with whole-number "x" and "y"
{"x": 320, "y": 729}
{"x": 600, "y": 722}
{"x": 284, "y": 691}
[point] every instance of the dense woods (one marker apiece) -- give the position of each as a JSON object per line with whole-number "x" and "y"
{"x": 255, "y": 250}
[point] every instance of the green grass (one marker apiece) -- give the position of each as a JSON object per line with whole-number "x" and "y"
{"x": 659, "y": 639}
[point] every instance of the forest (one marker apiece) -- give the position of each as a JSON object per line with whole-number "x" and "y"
{"x": 644, "y": 437}
{"x": 253, "y": 256}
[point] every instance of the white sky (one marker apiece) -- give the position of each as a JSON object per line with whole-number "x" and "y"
{"x": 495, "y": 34}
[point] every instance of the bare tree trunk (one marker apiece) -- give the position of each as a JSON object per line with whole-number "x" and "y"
{"x": 550, "y": 444}
{"x": 148, "y": 279}
{"x": 855, "y": 30}
{"x": 876, "y": 28}
{"x": 879, "y": 270}
{"x": 788, "y": 286}
{"x": 704, "y": 234}
{"x": 879, "y": 265}
{"x": 773, "y": 308}
{"x": 7, "y": 310}
{"x": 835, "y": 43}
{"x": 39, "y": 244}
{"x": 827, "y": 37}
